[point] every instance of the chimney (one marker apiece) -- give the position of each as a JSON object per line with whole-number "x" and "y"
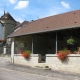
{"x": 4, "y": 12}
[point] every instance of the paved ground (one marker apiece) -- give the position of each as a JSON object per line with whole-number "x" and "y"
{"x": 15, "y": 75}
{"x": 9, "y": 71}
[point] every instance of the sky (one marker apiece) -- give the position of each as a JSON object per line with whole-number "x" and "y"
{"x": 35, "y": 9}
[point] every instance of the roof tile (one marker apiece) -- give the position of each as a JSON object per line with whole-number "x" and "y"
{"x": 51, "y": 23}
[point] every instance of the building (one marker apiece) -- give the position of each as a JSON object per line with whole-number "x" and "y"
{"x": 7, "y": 25}
{"x": 45, "y": 37}
{"x": 1, "y": 25}
{"x": 21, "y": 25}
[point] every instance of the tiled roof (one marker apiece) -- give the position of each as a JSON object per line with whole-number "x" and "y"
{"x": 7, "y": 16}
{"x": 22, "y": 24}
{"x": 52, "y": 23}
{"x": 17, "y": 23}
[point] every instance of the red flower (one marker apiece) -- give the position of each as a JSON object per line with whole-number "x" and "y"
{"x": 63, "y": 54}
{"x": 25, "y": 55}
{"x": 20, "y": 51}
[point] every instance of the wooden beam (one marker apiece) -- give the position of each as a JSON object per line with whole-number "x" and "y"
{"x": 56, "y": 42}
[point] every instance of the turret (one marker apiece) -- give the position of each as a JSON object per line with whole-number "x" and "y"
{"x": 9, "y": 25}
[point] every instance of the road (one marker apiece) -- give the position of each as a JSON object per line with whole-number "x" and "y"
{"x": 10, "y": 71}
{"x": 6, "y": 74}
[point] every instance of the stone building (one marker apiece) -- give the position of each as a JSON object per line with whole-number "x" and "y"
{"x": 45, "y": 38}
{"x": 7, "y": 27}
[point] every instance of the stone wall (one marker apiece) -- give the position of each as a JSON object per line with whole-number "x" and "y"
{"x": 1, "y": 49}
{"x": 33, "y": 61}
{"x": 8, "y": 28}
{"x": 7, "y": 51}
{"x": 72, "y": 63}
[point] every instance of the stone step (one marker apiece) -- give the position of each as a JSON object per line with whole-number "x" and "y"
{"x": 43, "y": 66}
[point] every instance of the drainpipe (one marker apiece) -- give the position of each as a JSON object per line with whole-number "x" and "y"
{"x": 56, "y": 42}
{"x": 32, "y": 43}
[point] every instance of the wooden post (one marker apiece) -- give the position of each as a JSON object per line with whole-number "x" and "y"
{"x": 56, "y": 42}
{"x": 4, "y": 50}
{"x": 12, "y": 50}
{"x": 32, "y": 43}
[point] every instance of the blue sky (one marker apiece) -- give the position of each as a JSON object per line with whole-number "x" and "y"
{"x": 33, "y": 9}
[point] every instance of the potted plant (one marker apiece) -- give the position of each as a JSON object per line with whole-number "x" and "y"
{"x": 26, "y": 54}
{"x": 20, "y": 51}
{"x": 71, "y": 41}
{"x": 62, "y": 54}
{"x": 23, "y": 44}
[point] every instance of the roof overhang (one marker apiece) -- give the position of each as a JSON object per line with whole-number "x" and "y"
{"x": 44, "y": 31}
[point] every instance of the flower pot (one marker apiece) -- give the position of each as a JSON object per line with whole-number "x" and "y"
{"x": 25, "y": 55}
{"x": 62, "y": 56}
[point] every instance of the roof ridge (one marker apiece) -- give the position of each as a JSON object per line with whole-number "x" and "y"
{"x": 59, "y": 14}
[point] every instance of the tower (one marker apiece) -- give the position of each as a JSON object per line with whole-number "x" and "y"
{"x": 9, "y": 25}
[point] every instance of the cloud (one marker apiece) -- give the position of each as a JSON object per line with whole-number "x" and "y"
{"x": 23, "y": 15}
{"x": 66, "y": 5}
{"x": 12, "y": 1}
{"x": 21, "y": 4}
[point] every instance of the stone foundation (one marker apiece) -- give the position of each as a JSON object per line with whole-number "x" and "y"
{"x": 33, "y": 61}
{"x": 72, "y": 63}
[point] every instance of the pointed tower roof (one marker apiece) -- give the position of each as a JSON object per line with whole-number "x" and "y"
{"x": 7, "y": 16}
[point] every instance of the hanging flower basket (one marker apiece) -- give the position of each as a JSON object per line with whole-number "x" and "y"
{"x": 71, "y": 41}
{"x": 23, "y": 44}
